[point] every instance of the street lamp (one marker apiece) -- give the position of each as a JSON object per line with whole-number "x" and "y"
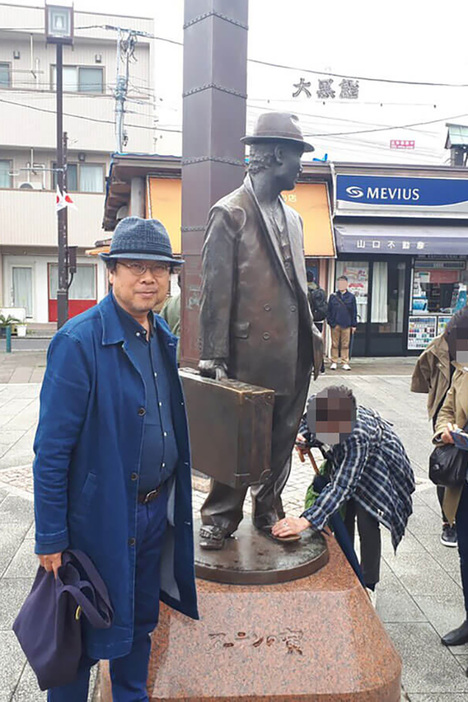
{"x": 59, "y": 24}
{"x": 59, "y": 31}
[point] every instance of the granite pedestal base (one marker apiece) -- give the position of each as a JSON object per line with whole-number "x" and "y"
{"x": 315, "y": 639}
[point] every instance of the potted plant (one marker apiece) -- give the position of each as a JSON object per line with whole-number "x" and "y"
{"x": 7, "y": 321}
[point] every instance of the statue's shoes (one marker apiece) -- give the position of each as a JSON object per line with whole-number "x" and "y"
{"x": 212, "y": 537}
{"x": 266, "y": 530}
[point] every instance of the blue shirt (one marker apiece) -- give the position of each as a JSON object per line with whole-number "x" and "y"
{"x": 159, "y": 449}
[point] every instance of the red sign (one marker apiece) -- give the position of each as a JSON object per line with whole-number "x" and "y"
{"x": 441, "y": 276}
{"x": 402, "y": 144}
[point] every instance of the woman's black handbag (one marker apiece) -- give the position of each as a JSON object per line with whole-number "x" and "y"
{"x": 49, "y": 624}
{"x": 447, "y": 465}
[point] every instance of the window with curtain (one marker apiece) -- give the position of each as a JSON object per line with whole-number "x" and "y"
{"x": 80, "y": 79}
{"x": 5, "y": 177}
{"x": 91, "y": 178}
{"x": 5, "y": 75}
{"x": 379, "y": 307}
{"x": 83, "y": 286}
{"x": 22, "y": 288}
{"x": 388, "y": 296}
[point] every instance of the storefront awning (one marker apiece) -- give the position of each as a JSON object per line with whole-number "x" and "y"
{"x": 164, "y": 201}
{"x": 402, "y": 238}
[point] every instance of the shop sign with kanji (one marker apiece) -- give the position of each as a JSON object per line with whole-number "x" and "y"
{"x": 327, "y": 89}
{"x": 390, "y": 245}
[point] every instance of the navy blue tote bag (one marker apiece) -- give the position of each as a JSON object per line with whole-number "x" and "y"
{"x": 49, "y": 624}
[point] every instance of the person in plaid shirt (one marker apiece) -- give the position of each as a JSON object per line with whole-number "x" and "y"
{"x": 370, "y": 473}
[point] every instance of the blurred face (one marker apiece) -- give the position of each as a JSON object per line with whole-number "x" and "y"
{"x": 461, "y": 346}
{"x": 342, "y": 285}
{"x": 138, "y": 286}
{"x": 331, "y": 419}
{"x": 289, "y": 157}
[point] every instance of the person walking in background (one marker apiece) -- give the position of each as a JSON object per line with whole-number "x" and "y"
{"x": 432, "y": 375}
{"x": 454, "y": 413}
{"x": 112, "y": 467}
{"x": 342, "y": 318}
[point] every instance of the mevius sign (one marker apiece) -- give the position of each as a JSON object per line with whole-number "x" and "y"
{"x": 393, "y": 194}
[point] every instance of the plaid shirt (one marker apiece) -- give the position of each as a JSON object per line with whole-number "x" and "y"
{"x": 372, "y": 467}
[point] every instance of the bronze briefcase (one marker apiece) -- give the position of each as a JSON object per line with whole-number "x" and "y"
{"x": 230, "y": 428}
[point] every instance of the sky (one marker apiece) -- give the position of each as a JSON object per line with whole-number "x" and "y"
{"x": 410, "y": 41}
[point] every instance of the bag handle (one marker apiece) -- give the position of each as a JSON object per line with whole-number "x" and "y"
{"x": 91, "y": 572}
{"x": 97, "y": 619}
{"x": 96, "y": 586}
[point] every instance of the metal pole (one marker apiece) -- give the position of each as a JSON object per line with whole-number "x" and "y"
{"x": 62, "y": 291}
{"x": 119, "y": 97}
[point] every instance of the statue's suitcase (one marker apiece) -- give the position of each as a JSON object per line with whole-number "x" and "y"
{"x": 230, "y": 428}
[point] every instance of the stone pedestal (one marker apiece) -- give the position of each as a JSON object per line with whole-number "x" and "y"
{"x": 314, "y": 639}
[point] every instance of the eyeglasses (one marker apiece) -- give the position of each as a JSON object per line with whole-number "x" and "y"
{"x": 157, "y": 269}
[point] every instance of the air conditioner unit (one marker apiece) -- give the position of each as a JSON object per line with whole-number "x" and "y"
{"x": 27, "y": 185}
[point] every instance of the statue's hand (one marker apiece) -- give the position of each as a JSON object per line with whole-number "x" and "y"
{"x": 214, "y": 368}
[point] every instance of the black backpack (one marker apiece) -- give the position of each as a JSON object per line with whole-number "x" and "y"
{"x": 318, "y": 304}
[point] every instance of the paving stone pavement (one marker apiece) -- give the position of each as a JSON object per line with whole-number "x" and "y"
{"x": 419, "y": 596}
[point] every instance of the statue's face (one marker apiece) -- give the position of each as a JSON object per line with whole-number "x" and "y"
{"x": 291, "y": 167}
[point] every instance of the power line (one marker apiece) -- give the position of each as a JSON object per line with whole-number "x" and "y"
{"x": 147, "y": 35}
{"x": 88, "y": 119}
{"x": 356, "y": 77}
{"x": 306, "y": 70}
{"x": 368, "y": 131}
{"x": 385, "y": 129}
{"x": 179, "y": 131}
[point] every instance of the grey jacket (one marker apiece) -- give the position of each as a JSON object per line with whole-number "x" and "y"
{"x": 251, "y": 315}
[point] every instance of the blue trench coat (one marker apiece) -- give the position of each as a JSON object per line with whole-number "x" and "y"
{"x": 87, "y": 445}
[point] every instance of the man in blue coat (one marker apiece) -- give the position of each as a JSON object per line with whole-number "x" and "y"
{"x": 342, "y": 318}
{"x": 112, "y": 466}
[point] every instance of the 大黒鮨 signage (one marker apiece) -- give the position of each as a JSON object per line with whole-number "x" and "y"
{"x": 401, "y": 195}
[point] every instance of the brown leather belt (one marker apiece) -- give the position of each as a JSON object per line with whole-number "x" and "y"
{"x": 150, "y": 496}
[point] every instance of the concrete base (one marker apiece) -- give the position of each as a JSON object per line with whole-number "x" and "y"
{"x": 314, "y": 639}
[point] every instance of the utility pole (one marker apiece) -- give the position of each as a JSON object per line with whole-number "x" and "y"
{"x": 62, "y": 290}
{"x": 59, "y": 31}
{"x": 125, "y": 51}
{"x": 120, "y": 97}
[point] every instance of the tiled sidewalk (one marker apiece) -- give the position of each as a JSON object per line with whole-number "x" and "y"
{"x": 419, "y": 597}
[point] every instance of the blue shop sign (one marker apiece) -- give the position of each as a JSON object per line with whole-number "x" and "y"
{"x": 359, "y": 192}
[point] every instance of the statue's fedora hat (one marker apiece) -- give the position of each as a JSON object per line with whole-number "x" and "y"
{"x": 277, "y": 126}
{"x": 141, "y": 239}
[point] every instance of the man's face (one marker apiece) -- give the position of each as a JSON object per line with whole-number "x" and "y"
{"x": 291, "y": 167}
{"x": 136, "y": 291}
{"x": 342, "y": 285}
{"x": 331, "y": 419}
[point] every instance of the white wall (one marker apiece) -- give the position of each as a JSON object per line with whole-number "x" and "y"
{"x": 39, "y": 264}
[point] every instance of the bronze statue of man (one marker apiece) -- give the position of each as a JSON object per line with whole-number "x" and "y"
{"x": 255, "y": 320}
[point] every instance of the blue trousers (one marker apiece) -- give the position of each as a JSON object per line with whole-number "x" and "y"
{"x": 461, "y": 521}
{"x": 129, "y": 673}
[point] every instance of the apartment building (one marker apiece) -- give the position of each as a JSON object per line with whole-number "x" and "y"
{"x": 28, "y": 221}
